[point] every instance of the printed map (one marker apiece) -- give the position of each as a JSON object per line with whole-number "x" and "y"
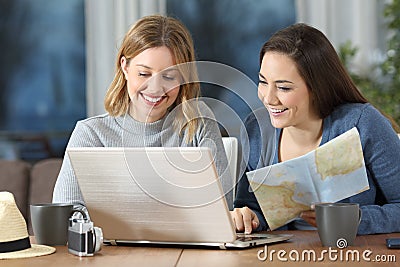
{"x": 332, "y": 172}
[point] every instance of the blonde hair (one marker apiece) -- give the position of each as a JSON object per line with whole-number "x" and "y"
{"x": 156, "y": 31}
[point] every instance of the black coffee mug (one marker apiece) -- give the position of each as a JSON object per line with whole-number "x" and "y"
{"x": 50, "y": 222}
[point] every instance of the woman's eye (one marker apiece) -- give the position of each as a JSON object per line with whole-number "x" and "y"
{"x": 168, "y": 77}
{"x": 262, "y": 82}
{"x": 284, "y": 88}
{"x": 143, "y": 74}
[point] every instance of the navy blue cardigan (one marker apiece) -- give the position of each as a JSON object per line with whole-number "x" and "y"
{"x": 380, "y": 204}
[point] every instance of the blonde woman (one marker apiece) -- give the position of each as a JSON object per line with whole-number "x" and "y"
{"x": 152, "y": 101}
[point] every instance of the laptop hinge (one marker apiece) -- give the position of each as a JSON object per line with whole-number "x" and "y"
{"x": 113, "y": 242}
{"x": 222, "y": 246}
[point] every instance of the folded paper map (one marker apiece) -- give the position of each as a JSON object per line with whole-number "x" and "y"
{"x": 332, "y": 172}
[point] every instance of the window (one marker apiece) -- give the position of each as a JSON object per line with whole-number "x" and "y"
{"x": 232, "y": 32}
{"x": 42, "y": 76}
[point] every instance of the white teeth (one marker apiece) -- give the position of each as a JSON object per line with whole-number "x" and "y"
{"x": 151, "y": 99}
{"x": 274, "y": 110}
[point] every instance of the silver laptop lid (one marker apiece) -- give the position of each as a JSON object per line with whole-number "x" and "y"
{"x": 156, "y": 194}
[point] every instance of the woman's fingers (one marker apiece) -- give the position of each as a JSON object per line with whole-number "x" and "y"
{"x": 244, "y": 219}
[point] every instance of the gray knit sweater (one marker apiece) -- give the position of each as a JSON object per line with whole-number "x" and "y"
{"x": 124, "y": 131}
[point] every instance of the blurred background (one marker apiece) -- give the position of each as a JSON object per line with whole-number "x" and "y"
{"x": 58, "y": 56}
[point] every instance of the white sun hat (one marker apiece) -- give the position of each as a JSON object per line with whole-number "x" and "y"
{"x": 14, "y": 238}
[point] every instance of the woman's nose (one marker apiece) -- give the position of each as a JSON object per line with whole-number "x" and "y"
{"x": 267, "y": 94}
{"x": 161, "y": 84}
{"x": 154, "y": 83}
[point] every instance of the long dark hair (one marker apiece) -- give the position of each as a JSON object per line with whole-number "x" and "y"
{"x": 318, "y": 64}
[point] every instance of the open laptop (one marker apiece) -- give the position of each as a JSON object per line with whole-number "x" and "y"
{"x": 158, "y": 195}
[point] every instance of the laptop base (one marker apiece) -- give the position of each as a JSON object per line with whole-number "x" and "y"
{"x": 243, "y": 241}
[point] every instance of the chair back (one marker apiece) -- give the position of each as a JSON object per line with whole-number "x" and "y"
{"x": 231, "y": 150}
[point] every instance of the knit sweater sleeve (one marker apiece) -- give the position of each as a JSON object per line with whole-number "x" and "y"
{"x": 257, "y": 145}
{"x": 381, "y": 147}
{"x": 66, "y": 189}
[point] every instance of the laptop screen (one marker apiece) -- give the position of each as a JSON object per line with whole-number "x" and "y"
{"x": 169, "y": 194}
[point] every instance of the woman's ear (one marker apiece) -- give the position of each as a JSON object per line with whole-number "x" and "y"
{"x": 124, "y": 66}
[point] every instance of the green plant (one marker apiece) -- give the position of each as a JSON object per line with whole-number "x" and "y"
{"x": 382, "y": 91}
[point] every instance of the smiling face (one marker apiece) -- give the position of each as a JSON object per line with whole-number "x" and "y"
{"x": 284, "y": 93}
{"x": 153, "y": 83}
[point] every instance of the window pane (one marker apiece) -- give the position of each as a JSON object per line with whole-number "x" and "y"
{"x": 232, "y": 32}
{"x": 42, "y": 76}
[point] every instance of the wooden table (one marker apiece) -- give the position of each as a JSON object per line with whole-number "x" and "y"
{"x": 303, "y": 243}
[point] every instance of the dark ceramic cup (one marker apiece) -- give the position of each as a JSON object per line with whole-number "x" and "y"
{"x": 337, "y": 223}
{"x": 50, "y": 222}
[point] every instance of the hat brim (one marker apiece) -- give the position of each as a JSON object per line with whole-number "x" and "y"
{"x": 34, "y": 251}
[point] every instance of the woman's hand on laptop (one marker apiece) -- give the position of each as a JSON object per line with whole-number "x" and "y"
{"x": 245, "y": 220}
